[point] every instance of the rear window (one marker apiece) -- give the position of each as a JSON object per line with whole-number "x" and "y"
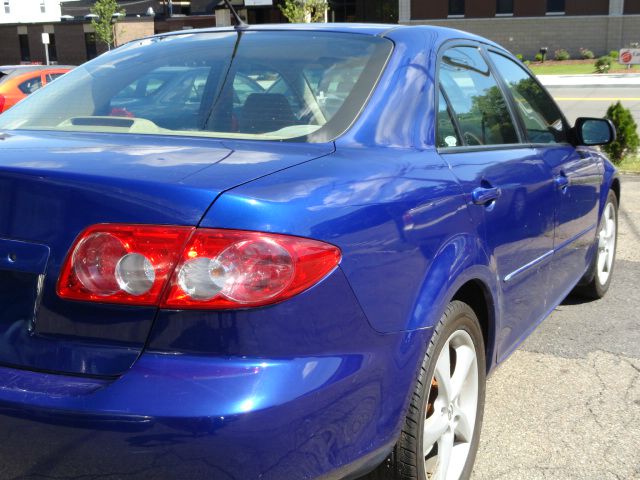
{"x": 270, "y": 85}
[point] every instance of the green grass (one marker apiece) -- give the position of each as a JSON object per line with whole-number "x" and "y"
{"x": 630, "y": 164}
{"x": 566, "y": 69}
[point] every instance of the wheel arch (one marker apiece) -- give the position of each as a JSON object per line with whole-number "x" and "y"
{"x": 461, "y": 271}
{"x": 477, "y": 295}
{"x": 615, "y": 186}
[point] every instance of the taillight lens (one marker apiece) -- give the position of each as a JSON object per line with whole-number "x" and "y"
{"x": 231, "y": 269}
{"x": 2, "y": 101}
{"x": 216, "y": 269}
{"x": 122, "y": 263}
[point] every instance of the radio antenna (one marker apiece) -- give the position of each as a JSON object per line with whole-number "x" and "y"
{"x": 240, "y": 24}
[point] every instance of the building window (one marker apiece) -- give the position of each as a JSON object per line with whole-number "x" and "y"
{"x": 555, "y": 6}
{"x": 504, "y": 7}
{"x": 456, "y": 8}
{"x": 342, "y": 11}
{"x": 25, "y": 54}
{"x": 53, "y": 52}
{"x": 91, "y": 45}
{"x": 7, "y": 7}
{"x": 43, "y": 7}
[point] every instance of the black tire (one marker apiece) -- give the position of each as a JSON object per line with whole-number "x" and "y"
{"x": 407, "y": 462}
{"x": 590, "y": 287}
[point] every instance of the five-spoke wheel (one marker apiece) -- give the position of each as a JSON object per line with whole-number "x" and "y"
{"x": 451, "y": 409}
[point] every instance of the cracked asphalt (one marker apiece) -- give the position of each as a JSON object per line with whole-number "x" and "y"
{"x": 566, "y": 405}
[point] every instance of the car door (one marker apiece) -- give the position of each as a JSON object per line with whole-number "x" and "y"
{"x": 577, "y": 174}
{"x": 509, "y": 187}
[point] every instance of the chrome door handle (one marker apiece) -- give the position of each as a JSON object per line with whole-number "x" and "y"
{"x": 483, "y": 195}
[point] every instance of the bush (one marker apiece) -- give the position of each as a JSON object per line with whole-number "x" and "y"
{"x": 586, "y": 54}
{"x": 527, "y": 62}
{"x": 614, "y": 54}
{"x": 538, "y": 57}
{"x": 603, "y": 64}
{"x": 520, "y": 57}
{"x": 627, "y": 141}
{"x": 562, "y": 54}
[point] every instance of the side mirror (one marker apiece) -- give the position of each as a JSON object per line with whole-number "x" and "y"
{"x": 594, "y": 131}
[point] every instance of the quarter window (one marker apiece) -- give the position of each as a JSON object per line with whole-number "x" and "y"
{"x": 476, "y": 100}
{"x": 29, "y": 86}
{"x": 541, "y": 116}
{"x": 447, "y": 136}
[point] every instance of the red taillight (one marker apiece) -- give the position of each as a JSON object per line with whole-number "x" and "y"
{"x": 217, "y": 269}
{"x": 2, "y": 100}
{"x": 122, "y": 263}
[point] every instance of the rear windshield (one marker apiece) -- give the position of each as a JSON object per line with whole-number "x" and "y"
{"x": 269, "y": 85}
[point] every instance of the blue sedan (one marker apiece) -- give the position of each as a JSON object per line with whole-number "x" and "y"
{"x": 284, "y": 252}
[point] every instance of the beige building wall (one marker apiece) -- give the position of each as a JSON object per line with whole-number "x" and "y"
{"x": 125, "y": 31}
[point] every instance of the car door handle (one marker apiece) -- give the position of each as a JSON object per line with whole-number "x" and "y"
{"x": 484, "y": 195}
{"x": 562, "y": 181}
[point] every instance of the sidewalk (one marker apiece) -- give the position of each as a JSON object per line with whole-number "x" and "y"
{"x": 607, "y": 80}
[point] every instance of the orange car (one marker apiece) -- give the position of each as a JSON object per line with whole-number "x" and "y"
{"x": 18, "y": 81}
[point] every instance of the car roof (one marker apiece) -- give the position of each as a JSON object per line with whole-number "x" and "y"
{"x": 395, "y": 32}
{"x": 443, "y": 34}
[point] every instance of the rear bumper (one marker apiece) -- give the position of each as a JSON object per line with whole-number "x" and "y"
{"x": 302, "y": 390}
{"x": 176, "y": 416}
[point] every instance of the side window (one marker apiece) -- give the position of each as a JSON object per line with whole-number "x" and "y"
{"x": 29, "y": 86}
{"x": 446, "y": 135}
{"x": 50, "y": 77}
{"x": 540, "y": 114}
{"x": 475, "y": 98}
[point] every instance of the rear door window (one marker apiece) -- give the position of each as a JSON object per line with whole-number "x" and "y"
{"x": 540, "y": 114}
{"x": 50, "y": 77}
{"x": 476, "y": 100}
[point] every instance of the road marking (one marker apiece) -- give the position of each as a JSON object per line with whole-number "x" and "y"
{"x": 597, "y": 99}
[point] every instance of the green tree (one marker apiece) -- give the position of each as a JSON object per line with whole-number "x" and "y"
{"x": 627, "y": 140}
{"x": 304, "y": 11}
{"x": 107, "y": 12}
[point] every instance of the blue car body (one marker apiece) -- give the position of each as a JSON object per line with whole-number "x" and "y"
{"x": 313, "y": 387}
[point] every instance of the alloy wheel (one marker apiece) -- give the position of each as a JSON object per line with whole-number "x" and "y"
{"x": 451, "y": 409}
{"x": 606, "y": 243}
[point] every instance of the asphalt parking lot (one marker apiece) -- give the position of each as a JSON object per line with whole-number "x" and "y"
{"x": 566, "y": 405}
{"x": 593, "y": 101}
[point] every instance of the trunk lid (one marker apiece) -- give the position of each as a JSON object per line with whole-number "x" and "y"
{"x": 53, "y": 185}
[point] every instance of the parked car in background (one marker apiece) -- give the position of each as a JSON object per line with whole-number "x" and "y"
{"x": 284, "y": 252}
{"x": 19, "y": 81}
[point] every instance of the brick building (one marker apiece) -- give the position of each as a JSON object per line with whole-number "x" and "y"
{"x": 524, "y": 26}
{"x": 73, "y": 40}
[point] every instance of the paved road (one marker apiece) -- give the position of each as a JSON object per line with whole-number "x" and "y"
{"x": 566, "y": 405}
{"x": 593, "y": 101}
